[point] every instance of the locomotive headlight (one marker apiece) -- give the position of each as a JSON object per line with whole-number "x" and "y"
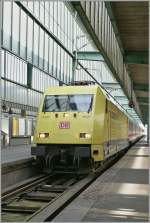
{"x": 43, "y": 135}
{"x": 85, "y": 135}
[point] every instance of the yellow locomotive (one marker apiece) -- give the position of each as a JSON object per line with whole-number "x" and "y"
{"x": 79, "y": 127}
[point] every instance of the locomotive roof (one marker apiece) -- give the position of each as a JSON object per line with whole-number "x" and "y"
{"x": 87, "y": 89}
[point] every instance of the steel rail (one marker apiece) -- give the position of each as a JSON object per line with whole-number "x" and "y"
{"x": 25, "y": 186}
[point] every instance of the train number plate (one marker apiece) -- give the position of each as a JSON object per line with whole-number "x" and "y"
{"x": 64, "y": 125}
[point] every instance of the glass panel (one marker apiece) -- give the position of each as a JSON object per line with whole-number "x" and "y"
{"x": 2, "y": 89}
{"x": 15, "y": 28}
{"x": 55, "y": 103}
{"x": 30, "y": 39}
{"x": 7, "y": 24}
{"x": 42, "y": 12}
{"x": 2, "y": 63}
{"x": 58, "y": 61}
{"x": 30, "y": 5}
{"x": 46, "y": 53}
{"x": 59, "y": 20}
{"x": 29, "y": 127}
{"x": 23, "y": 30}
{"x": 41, "y": 49}
{"x": 54, "y": 59}
{"x": 63, "y": 103}
{"x": 47, "y": 14}
{"x": 36, "y": 44}
{"x": 51, "y": 16}
{"x": 36, "y": 8}
{"x": 21, "y": 127}
{"x": 5, "y": 125}
{"x": 81, "y": 103}
{"x": 55, "y": 18}
{"x": 50, "y": 54}
{"x": 62, "y": 65}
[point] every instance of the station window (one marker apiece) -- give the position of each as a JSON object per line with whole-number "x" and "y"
{"x": 55, "y": 17}
{"x": 36, "y": 44}
{"x": 30, "y": 39}
{"x": 30, "y": 5}
{"x": 3, "y": 89}
{"x": 50, "y": 55}
{"x": 47, "y": 14}
{"x": 46, "y": 53}
{"x": 42, "y": 12}
{"x": 54, "y": 59}
{"x": 2, "y": 63}
{"x": 41, "y": 48}
{"x": 36, "y": 8}
{"x": 15, "y": 28}
{"x": 23, "y": 30}
{"x": 7, "y": 24}
{"x": 21, "y": 127}
{"x": 51, "y": 16}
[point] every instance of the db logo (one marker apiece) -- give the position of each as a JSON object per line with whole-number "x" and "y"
{"x": 64, "y": 125}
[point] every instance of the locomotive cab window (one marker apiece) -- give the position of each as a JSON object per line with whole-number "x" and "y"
{"x": 71, "y": 103}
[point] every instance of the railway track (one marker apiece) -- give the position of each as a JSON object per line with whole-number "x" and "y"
{"x": 43, "y": 198}
{"x": 24, "y": 202}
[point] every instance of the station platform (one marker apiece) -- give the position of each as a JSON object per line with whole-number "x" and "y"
{"x": 15, "y": 153}
{"x": 120, "y": 194}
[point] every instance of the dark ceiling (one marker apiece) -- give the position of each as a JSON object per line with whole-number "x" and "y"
{"x": 132, "y": 23}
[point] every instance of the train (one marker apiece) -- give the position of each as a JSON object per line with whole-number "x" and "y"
{"x": 79, "y": 127}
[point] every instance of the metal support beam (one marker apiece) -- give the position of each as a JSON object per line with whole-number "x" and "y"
{"x": 111, "y": 86}
{"x": 90, "y": 56}
{"x": 120, "y": 97}
{"x": 114, "y": 84}
{"x": 29, "y": 75}
{"x": 140, "y": 87}
{"x": 136, "y": 57}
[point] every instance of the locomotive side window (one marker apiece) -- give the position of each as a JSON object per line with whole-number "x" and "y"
{"x": 63, "y": 103}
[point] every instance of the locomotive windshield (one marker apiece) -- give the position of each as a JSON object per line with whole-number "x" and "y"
{"x": 71, "y": 103}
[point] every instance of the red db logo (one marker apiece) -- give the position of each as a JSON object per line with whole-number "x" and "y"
{"x": 64, "y": 125}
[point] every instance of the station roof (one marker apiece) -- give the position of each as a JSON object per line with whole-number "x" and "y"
{"x": 130, "y": 25}
{"x": 130, "y": 20}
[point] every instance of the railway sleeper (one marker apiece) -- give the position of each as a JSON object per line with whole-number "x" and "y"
{"x": 23, "y": 205}
{"x": 21, "y": 209}
{"x": 57, "y": 188}
{"x": 40, "y": 196}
